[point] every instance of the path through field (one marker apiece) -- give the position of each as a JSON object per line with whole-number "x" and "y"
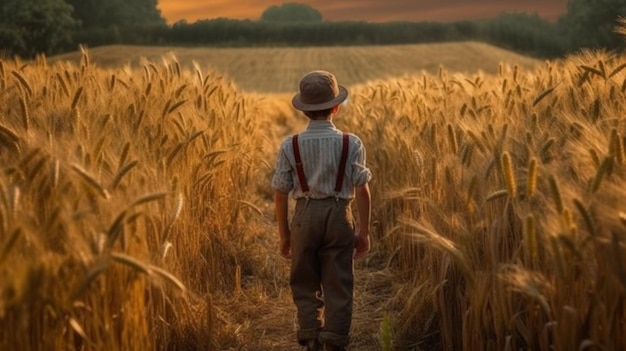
{"x": 267, "y": 321}
{"x": 263, "y": 315}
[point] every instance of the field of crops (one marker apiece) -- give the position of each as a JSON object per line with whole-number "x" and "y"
{"x": 278, "y": 70}
{"x": 135, "y": 208}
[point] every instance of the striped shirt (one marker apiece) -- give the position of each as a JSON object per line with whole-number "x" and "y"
{"x": 320, "y": 149}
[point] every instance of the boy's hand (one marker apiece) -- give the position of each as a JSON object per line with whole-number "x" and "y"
{"x": 285, "y": 248}
{"x": 362, "y": 245}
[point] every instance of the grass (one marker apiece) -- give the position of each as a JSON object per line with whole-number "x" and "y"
{"x": 135, "y": 212}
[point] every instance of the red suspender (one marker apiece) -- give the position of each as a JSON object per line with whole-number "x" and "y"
{"x": 299, "y": 167}
{"x": 342, "y": 163}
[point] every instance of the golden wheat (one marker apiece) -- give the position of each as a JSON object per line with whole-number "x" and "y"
{"x": 518, "y": 273}
{"x": 509, "y": 175}
{"x": 531, "y": 182}
{"x": 23, "y": 83}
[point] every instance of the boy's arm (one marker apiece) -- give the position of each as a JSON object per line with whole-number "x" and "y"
{"x": 363, "y": 202}
{"x": 281, "y": 201}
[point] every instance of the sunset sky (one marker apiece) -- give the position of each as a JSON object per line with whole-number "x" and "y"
{"x": 364, "y": 10}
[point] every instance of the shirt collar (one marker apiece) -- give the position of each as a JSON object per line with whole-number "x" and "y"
{"x": 321, "y": 125}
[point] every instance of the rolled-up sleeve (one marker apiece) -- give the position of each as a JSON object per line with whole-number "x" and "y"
{"x": 360, "y": 173}
{"x": 283, "y": 174}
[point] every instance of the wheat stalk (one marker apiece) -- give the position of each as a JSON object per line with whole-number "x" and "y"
{"x": 509, "y": 175}
{"x": 615, "y": 146}
{"x": 180, "y": 146}
{"x": 452, "y": 139}
{"x": 175, "y": 106}
{"x": 586, "y": 217}
{"x": 25, "y": 113}
{"x": 596, "y": 110}
{"x": 497, "y": 194}
{"x": 471, "y": 190}
{"x": 437, "y": 241}
{"x": 23, "y": 82}
{"x": 165, "y": 235}
{"x": 594, "y": 157}
{"x": 76, "y": 98}
{"x": 55, "y": 174}
{"x": 9, "y": 137}
{"x": 64, "y": 87}
{"x": 530, "y": 234}
{"x": 180, "y": 90}
{"x": 434, "y": 181}
{"x": 148, "y": 89}
{"x": 593, "y": 70}
{"x": 167, "y": 277}
{"x": 33, "y": 171}
{"x": 602, "y": 69}
{"x": 604, "y": 169}
{"x": 147, "y": 269}
{"x": 544, "y": 153}
{"x": 556, "y": 194}
{"x": 122, "y": 172}
{"x": 542, "y": 95}
{"x": 467, "y": 154}
{"x": 146, "y": 70}
{"x": 112, "y": 81}
{"x": 84, "y": 58}
{"x": 558, "y": 258}
{"x": 93, "y": 273}
{"x": 131, "y": 262}
{"x": 531, "y": 183}
{"x": 477, "y": 141}
{"x": 148, "y": 198}
{"x": 92, "y": 182}
{"x": 123, "y": 156}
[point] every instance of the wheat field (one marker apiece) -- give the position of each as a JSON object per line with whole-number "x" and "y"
{"x": 278, "y": 70}
{"x": 135, "y": 209}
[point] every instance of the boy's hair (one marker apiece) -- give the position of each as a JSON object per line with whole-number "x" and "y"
{"x": 318, "y": 114}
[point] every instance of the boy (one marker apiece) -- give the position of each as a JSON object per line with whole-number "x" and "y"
{"x": 325, "y": 169}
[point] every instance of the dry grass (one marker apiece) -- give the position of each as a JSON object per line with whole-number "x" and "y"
{"x": 135, "y": 212}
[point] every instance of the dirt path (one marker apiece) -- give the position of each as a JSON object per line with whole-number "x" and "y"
{"x": 264, "y": 312}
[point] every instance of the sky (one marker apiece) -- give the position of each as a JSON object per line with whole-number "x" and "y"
{"x": 363, "y": 10}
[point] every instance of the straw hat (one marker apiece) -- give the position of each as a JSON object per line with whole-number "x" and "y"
{"x": 319, "y": 91}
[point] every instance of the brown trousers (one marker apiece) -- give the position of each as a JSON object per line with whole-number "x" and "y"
{"x": 321, "y": 279}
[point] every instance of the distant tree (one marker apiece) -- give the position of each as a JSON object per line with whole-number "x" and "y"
{"x": 104, "y": 22}
{"x": 291, "y": 12}
{"x": 30, "y": 27}
{"x": 592, "y": 23}
{"x": 526, "y": 33}
{"x": 116, "y": 13}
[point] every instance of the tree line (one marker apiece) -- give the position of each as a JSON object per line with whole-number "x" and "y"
{"x": 31, "y": 27}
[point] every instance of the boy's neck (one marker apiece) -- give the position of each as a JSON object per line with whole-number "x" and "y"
{"x": 328, "y": 118}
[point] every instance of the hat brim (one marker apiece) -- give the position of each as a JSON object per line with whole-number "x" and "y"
{"x": 299, "y": 105}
